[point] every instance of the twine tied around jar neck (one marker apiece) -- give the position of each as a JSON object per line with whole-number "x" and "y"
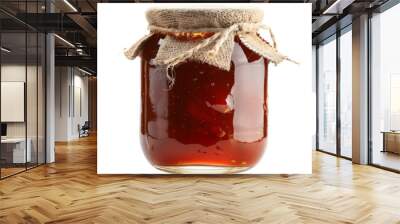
{"x": 217, "y": 39}
{"x": 215, "y": 50}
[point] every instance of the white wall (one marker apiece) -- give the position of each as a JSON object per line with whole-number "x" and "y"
{"x": 33, "y": 127}
{"x": 50, "y": 94}
{"x": 62, "y": 82}
{"x": 71, "y": 102}
{"x": 12, "y": 73}
{"x": 16, "y": 72}
{"x": 80, "y": 84}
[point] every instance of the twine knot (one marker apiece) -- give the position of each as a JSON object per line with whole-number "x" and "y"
{"x": 216, "y": 49}
{"x": 219, "y": 37}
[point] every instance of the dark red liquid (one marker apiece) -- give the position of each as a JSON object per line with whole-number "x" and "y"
{"x": 209, "y": 116}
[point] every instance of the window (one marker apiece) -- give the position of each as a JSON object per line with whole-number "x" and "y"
{"x": 385, "y": 89}
{"x": 22, "y": 102}
{"x": 327, "y": 96}
{"x": 346, "y": 93}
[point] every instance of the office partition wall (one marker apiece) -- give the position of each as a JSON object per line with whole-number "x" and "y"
{"x": 14, "y": 153}
{"x": 23, "y": 88}
{"x": 345, "y": 65}
{"x": 327, "y": 95}
{"x": 334, "y": 85}
{"x": 385, "y": 89}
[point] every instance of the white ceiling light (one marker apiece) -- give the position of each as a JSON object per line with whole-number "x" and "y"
{"x": 65, "y": 41}
{"x": 70, "y": 5}
{"x": 338, "y": 6}
{"x": 5, "y": 50}
{"x": 84, "y": 71}
{"x": 79, "y": 51}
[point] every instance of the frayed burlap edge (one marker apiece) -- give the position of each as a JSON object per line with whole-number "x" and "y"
{"x": 215, "y": 50}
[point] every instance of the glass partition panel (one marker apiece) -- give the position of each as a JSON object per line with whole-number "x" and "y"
{"x": 32, "y": 96}
{"x": 327, "y": 96}
{"x": 346, "y": 94}
{"x": 41, "y": 79}
{"x": 14, "y": 153}
{"x": 23, "y": 88}
{"x": 385, "y": 87}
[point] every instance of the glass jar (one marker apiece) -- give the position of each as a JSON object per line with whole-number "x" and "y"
{"x": 209, "y": 120}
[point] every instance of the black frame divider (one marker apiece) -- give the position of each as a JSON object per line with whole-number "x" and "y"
{"x": 317, "y": 97}
{"x": 369, "y": 77}
{"x": 338, "y": 91}
{"x": 26, "y": 89}
{"x": 37, "y": 90}
{"x": 0, "y": 98}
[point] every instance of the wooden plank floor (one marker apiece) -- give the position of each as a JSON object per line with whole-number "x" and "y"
{"x": 69, "y": 191}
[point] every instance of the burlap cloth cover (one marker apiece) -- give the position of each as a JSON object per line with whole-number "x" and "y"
{"x": 215, "y": 50}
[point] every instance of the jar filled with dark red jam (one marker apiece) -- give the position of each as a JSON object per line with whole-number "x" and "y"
{"x": 200, "y": 117}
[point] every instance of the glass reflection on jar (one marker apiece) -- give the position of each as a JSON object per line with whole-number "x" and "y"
{"x": 209, "y": 120}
